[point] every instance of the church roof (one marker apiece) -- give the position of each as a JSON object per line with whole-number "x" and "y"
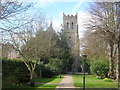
{"x": 50, "y": 28}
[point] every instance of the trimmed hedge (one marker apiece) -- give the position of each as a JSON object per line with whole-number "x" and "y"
{"x": 14, "y": 71}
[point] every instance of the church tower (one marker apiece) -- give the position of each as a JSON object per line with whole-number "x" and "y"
{"x": 70, "y": 28}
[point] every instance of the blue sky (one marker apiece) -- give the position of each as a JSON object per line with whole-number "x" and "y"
{"x": 55, "y": 8}
{"x": 54, "y": 11}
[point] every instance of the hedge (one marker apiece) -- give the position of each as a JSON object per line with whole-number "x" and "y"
{"x": 14, "y": 71}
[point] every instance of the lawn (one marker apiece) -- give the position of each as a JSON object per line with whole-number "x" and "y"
{"x": 93, "y": 82}
{"x": 53, "y": 81}
{"x": 43, "y": 86}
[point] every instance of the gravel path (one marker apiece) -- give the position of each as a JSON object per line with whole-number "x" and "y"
{"x": 66, "y": 83}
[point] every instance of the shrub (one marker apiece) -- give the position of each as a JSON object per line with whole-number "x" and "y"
{"x": 55, "y": 64}
{"x": 47, "y": 71}
{"x": 39, "y": 67}
{"x": 100, "y": 68}
{"x": 107, "y": 80}
{"x": 87, "y": 65}
{"x": 14, "y": 71}
{"x": 9, "y": 81}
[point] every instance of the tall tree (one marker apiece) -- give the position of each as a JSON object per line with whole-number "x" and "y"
{"x": 94, "y": 46}
{"x": 64, "y": 54}
{"x": 40, "y": 45}
{"x": 11, "y": 21}
{"x": 118, "y": 45}
{"x": 23, "y": 41}
{"x": 105, "y": 25}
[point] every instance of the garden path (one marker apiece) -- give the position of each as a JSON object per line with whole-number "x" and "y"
{"x": 67, "y": 82}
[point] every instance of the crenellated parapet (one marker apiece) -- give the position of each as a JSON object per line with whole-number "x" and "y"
{"x": 70, "y": 23}
{"x": 70, "y": 16}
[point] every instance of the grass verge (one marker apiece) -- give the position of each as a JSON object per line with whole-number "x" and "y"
{"x": 92, "y": 82}
{"x": 41, "y": 83}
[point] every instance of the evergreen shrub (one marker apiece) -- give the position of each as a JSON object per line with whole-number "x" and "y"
{"x": 100, "y": 68}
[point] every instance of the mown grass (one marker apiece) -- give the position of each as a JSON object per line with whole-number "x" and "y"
{"x": 93, "y": 82}
{"x": 52, "y": 80}
{"x": 43, "y": 86}
{"x": 55, "y": 79}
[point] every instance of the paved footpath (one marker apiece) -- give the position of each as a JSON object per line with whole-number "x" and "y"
{"x": 66, "y": 83}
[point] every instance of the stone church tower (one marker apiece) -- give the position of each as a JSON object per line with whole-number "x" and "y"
{"x": 70, "y": 28}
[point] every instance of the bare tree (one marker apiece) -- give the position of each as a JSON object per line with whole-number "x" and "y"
{"x": 118, "y": 45}
{"x": 12, "y": 8}
{"x": 17, "y": 29}
{"x": 105, "y": 25}
{"x": 12, "y": 16}
{"x": 24, "y": 42}
{"x": 94, "y": 46}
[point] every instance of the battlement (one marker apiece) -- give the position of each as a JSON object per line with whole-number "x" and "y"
{"x": 70, "y": 16}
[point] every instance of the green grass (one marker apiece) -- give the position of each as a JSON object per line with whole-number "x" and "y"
{"x": 92, "y": 82}
{"x": 53, "y": 80}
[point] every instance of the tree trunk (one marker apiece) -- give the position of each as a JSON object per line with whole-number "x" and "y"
{"x": 111, "y": 62}
{"x": 31, "y": 74}
{"x": 118, "y": 62}
{"x": 32, "y": 83}
{"x": 118, "y": 45}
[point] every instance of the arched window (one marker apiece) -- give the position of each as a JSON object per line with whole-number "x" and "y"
{"x": 67, "y": 25}
{"x": 72, "y": 26}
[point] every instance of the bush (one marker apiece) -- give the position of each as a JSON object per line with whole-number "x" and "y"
{"x": 100, "y": 68}
{"x": 39, "y": 68}
{"x": 14, "y": 71}
{"x": 47, "y": 71}
{"x": 9, "y": 81}
{"x": 87, "y": 65}
{"x": 107, "y": 80}
{"x": 56, "y": 64}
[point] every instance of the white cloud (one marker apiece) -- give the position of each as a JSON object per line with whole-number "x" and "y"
{"x": 57, "y": 25}
{"x": 82, "y": 18}
{"x": 57, "y": 21}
